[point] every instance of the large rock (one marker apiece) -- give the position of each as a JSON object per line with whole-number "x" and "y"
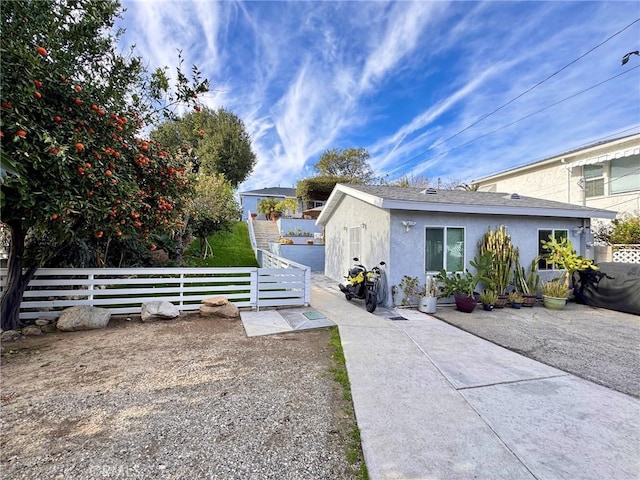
{"x": 158, "y": 310}
{"x": 229, "y": 310}
{"x": 10, "y": 336}
{"x": 31, "y": 330}
{"x": 83, "y": 317}
{"x": 215, "y": 301}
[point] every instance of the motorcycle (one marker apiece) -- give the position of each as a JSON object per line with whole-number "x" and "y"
{"x": 362, "y": 283}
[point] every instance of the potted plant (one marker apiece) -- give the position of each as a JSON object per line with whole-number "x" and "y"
{"x": 527, "y": 283}
{"x": 269, "y": 206}
{"x": 488, "y": 298}
{"x": 555, "y": 293}
{"x": 429, "y": 301}
{"x": 562, "y": 255}
{"x": 498, "y": 242}
{"x": 515, "y": 298}
{"x": 461, "y": 286}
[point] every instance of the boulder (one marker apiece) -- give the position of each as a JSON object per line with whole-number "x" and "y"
{"x": 31, "y": 331}
{"x": 83, "y": 317}
{"x": 158, "y": 310}
{"x": 9, "y": 336}
{"x": 215, "y": 301}
{"x": 229, "y": 310}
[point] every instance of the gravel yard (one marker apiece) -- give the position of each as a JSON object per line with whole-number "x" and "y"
{"x": 187, "y": 399}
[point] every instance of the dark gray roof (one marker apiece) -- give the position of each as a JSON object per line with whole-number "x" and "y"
{"x": 458, "y": 201}
{"x": 271, "y": 192}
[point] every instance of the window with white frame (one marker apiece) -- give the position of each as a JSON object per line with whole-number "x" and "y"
{"x": 545, "y": 234}
{"x": 594, "y": 180}
{"x": 444, "y": 249}
{"x": 625, "y": 174}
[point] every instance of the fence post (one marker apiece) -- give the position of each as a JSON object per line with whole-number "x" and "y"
{"x": 91, "y": 286}
{"x": 307, "y": 287}
{"x": 254, "y": 296}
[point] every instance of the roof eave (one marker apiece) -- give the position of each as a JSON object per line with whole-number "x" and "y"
{"x": 516, "y": 210}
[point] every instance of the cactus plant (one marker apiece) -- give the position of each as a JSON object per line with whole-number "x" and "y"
{"x": 505, "y": 255}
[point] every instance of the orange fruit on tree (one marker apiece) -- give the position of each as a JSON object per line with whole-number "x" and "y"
{"x": 37, "y": 83}
{"x": 42, "y": 51}
{"x": 21, "y": 133}
{"x": 77, "y": 101}
{"x": 79, "y": 146}
{"x": 108, "y": 173}
{"x": 78, "y": 88}
{"x": 57, "y": 118}
{"x": 38, "y": 95}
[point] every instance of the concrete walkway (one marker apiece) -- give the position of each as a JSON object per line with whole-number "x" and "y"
{"x": 434, "y": 402}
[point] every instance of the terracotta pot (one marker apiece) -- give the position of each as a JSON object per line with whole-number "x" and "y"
{"x": 529, "y": 300}
{"x": 502, "y": 301}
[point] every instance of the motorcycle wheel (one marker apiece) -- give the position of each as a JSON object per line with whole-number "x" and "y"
{"x": 348, "y": 296}
{"x": 371, "y": 302}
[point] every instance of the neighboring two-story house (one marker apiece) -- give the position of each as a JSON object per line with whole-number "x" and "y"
{"x": 604, "y": 175}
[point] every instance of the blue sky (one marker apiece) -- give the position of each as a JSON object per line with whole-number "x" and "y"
{"x": 404, "y": 80}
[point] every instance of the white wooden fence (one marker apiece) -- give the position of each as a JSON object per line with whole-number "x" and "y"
{"x": 123, "y": 291}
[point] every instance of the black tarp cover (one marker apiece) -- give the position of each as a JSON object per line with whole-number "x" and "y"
{"x": 615, "y": 286}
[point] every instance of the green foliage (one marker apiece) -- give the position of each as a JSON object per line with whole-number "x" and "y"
{"x": 524, "y": 282}
{"x": 318, "y": 188}
{"x": 74, "y": 168}
{"x": 231, "y": 249}
{"x": 287, "y": 205}
{"x": 555, "y": 288}
{"x": 505, "y": 255}
{"x": 458, "y": 282}
{"x": 340, "y": 375}
{"x": 466, "y": 282}
{"x": 269, "y": 206}
{"x": 562, "y": 255}
{"x": 213, "y": 141}
{"x": 515, "y": 297}
{"x": 489, "y": 297}
{"x": 411, "y": 289}
{"x": 214, "y": 208}
{"x": 350, "y": 163}
{"x": 622, "y": 231}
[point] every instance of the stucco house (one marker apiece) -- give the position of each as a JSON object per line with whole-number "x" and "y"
{"x": 417, "y": 231}
{"x": 249, "y": 200}
{"x": 603, "y": 175}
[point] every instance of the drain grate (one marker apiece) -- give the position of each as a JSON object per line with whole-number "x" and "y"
{"x": 397, "y": 318}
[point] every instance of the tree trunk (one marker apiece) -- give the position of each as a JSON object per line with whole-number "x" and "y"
{"x": 17, "y": 281}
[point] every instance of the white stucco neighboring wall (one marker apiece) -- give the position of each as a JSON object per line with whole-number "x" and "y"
{"x": 558, "y": 178}
{"x": 373, "y": 224}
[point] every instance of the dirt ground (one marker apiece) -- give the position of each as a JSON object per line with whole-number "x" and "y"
{"x": 189, "y": 398}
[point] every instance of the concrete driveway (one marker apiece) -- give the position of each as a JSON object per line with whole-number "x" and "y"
{"x": 596, "y": 344}
{"x": 435, "y": 402}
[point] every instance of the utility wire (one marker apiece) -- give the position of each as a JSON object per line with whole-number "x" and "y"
{"x": 522, "y": 94}
{"x": 518, "y": 120}
{"x": 536, "y": 85}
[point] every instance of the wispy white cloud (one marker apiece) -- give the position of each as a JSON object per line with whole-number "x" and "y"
{"x": 399, "y": 78}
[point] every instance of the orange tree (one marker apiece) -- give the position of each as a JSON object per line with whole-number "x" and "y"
{"x": 74, "y": 168}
